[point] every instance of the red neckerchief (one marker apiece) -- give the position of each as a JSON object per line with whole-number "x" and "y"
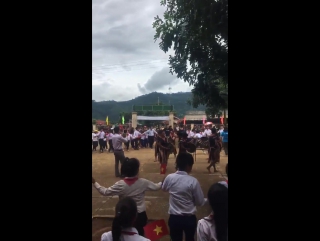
{"x": 227, "y": 181}
{"x": 129, "y": 181}
{"x": 128, "y": 233}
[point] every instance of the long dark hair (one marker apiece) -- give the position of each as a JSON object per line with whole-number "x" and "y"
{"x": 126, "y": 213}
{"x": 218, "y": 199}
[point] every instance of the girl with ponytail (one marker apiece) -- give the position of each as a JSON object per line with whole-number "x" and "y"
{"x": 131, "y": 186}
{"x": 215, "y": 226}
{"x": 123, "y": 223}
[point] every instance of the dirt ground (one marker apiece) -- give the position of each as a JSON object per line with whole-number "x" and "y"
{"x": 157, "y": 202}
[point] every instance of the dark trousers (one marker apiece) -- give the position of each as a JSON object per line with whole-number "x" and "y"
{"x": 151, "y": 141}
{"x": 104, "y": 144}
{"x": 127, "y": 145}
{"x": 110, "y": 146}
{"x": 136, "y": 144}
{"x": 141, "y": 221}
{"x": 101, "y": 144}
{"x": 143, "y": 142}
{"x": 118, "y": 157}
{"x": 132, "y": 143}
{"x": 182, "y": 224}
{"x": 225, "y": 147}
{"x": 94, "y": 145}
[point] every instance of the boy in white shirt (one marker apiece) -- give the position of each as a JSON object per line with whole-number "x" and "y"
{"x": 185, "y": 194}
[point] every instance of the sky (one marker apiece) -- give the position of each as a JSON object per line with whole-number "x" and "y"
{"x": 126, "y": 62}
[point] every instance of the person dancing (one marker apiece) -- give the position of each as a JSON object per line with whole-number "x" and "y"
{"x": 215, "y": 148}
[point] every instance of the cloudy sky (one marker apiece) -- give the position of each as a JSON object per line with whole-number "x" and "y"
{"x": 126, "y": 62}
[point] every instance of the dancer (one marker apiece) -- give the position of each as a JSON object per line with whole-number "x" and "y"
{"x": 136, "y": 137}
{"x": 185, "y": 194}
{"x": 123, "y": 223}
{"x": 94, "y": 140}
{"x": 117, "y": 141}
{"x": 215, "y": 148}
{"x": 101, "y": 136}
{"x": 128, "y": 138}
{"x": 215, "y": 226}
{"x": 131, "y": 186}
{"x": 163, "y": 150}
{"x": 110, "y": 135}
{"x": 151, "y": 133}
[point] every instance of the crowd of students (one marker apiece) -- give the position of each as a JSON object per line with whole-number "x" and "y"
{"x": 185, "y": 194}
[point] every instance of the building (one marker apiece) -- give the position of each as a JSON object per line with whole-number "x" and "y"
{"x": 195, "y": 117}
{"x": 199, "y": 117}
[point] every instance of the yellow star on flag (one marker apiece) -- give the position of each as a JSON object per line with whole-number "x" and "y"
{"x": 158, "y": 229}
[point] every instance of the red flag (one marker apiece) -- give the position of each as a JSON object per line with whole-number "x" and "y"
{"x": 184, "y": 121}
{"x": 156, "y": 230}
{"x": 163, "y": 168}
{"x": 221, "y": 119}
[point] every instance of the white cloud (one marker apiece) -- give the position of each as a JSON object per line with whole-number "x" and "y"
{"x": 124, "y": 53}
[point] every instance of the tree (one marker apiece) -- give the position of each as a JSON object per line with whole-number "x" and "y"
{"x": 198, "y": 32}
{"x": 94, "y": 121}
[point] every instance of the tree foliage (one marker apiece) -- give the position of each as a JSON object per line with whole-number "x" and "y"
{"x": 197, "y": 30}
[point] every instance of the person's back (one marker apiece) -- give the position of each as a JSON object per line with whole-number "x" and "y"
{"x": 185, "y": 194}
{"x": 133, "y": 187}
{"x": 224, "y": 135}
{"x": 181, "y": 187}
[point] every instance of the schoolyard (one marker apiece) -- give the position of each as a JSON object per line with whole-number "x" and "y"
{"x": 157, "y": 202}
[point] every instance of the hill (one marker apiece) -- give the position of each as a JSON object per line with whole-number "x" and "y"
{"x": 112, "y": 108}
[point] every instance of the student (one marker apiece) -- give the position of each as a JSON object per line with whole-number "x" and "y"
{"x": 185, "y": 194}
{"x": 94, "y": 140}
{"x": 123, "y": 223}
{"x": 224, "y": 138}
{"x": 128, "y": 137}
{"x": 215, "y": 226}
{"x": 131, "y": 186}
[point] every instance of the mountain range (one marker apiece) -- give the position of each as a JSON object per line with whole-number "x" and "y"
{"x": 112, "y": 109}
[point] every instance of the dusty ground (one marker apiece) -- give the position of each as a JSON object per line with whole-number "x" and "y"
{"x": 157, "y": 202}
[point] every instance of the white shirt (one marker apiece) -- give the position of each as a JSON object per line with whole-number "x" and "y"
{"x": 129, "y": 137}
{"x": 110, "y": 135}
{"x": 101, "y": 135}
{"x": 150, "y": 132}
{"x": 124, "y": 237}
{"x": 206, "y": 230}
{"x": 136, "y": 190}
{"x": 117, "y": 141}
{"x": 136, "y": 134}
{"x": 198, "y": 135}
{"x": 207, "y": 132}
{"x": 190, "y": 134}
{"x": 185, "y": 193}
{"x": 94, "y": 137}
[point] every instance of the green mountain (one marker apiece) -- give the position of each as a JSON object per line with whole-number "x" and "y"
{"x": 112, "y": 109}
